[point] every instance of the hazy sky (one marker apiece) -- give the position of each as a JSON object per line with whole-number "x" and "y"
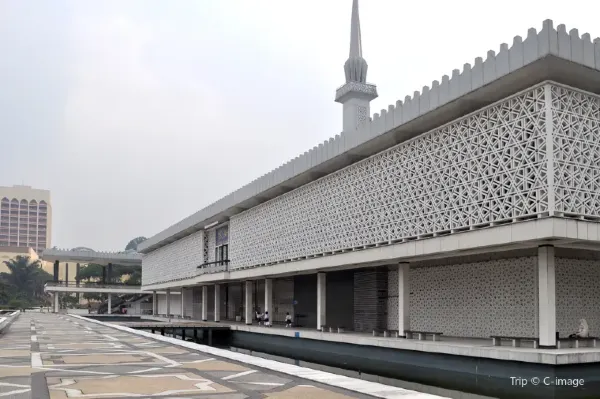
{"x": 135, "y": 114}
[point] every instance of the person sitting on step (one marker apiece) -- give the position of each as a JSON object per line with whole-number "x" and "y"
{"x": 259, "y": 317}
{"x": 288, "y": 320}
{"x": 584, "y": 330}
{"x": 266, "y": 319}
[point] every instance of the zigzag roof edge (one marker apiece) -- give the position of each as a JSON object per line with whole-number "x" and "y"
{"x": 548, "y": 41}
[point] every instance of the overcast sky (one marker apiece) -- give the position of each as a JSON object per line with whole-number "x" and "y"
{"x": 136, "y": 114}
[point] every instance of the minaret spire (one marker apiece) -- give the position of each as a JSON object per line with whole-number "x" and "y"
{"x": 355, "y": 41}
{"x": 356, "y": 66}
{"x": 356, "y": 93}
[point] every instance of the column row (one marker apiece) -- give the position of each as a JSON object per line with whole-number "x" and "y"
{"x": 546, "y": 319}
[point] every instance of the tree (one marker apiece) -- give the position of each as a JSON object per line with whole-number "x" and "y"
{"x": 68, "y": 301}
{"x": 133, "y": 244}
{"x": 25, "y": 280}
{"x": 90, "y": 272}
{"x": 135, "y": 278}
{"x": 4, "y": 294}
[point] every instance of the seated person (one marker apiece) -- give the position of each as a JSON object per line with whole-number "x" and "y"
{"x": 266, "y": 318}
{"x": 288, "y": 319}
{"x": 258, "y": 317}
{"x": 583, "y": 332}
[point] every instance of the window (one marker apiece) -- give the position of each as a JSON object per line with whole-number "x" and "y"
{"x": 221, "y": 254}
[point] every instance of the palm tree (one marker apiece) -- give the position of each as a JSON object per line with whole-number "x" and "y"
{"x": 4, "y": 295}
{"x": 25, "y": 278}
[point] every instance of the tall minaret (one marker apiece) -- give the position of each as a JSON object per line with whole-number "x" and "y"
{"x": 356, "y": 94}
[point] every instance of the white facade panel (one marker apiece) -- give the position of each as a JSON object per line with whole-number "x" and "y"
{"x": 174, "y": 305}
{"x": 179, "y": 259}
{"x": 577, "y": 295}
{"x": 497, "y": 297}
{"x": 487, "y": 167}
{"x": 480, "y": 299}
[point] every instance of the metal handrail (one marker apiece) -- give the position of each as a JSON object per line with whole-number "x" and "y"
{"x": 91, "y": 284}
{"x": 216, "y": 263}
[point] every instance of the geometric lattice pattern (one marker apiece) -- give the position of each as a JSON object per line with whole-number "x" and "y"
{"x": 471, "y": 299}
{"x": 205, "y": 248}
{"x": 577, "y": 295}
{"x": 576, "y": 139}
{"x": 179, "y": 259}
{"x": 489, "y": 166}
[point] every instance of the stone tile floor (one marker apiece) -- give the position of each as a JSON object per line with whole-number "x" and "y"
{"x": 56, "y": 356}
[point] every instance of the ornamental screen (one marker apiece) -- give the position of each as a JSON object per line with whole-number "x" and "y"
{"x": 489, "y": 166}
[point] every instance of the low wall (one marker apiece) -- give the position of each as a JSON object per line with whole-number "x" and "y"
{"x": 7, "y": 319}
{"x": 489, "y": 377}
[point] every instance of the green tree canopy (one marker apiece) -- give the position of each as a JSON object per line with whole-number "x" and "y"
{"x": 90, "y": 272}
{"x": 24, "y": 281}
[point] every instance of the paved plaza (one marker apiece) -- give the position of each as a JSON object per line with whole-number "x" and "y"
{"x": 58, "y": 357}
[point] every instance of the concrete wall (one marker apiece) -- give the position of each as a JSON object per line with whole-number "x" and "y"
{"x": 174, "y": 305}
{"x": 471, "y": 299}
{"x": 196, "y": 303}
{"x": 305, "y": 295}
{"x": 577, "y": 295}
{"x": 140, "y": 308}
{"x": 188, "y": 302}
{"x": 179, "y": 259}
{"x": 339, "y": 308}
{"x": 283, "y": 298}
{"x": 479, "y": 299}
{"x": 370, "y": 299}
{"x": 235, "y": 301}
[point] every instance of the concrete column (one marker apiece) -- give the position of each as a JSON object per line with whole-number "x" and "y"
{"x": 183, "y": 289}
{"x": 168, "y": 302}
{"x": 109, "y": 273}
{"x": 403, "y": 298}
{"x": 56, "y": 303}
{"x": 154, "y": 303}
{"x": 109, "y": 303}
{"x": 77, "y": 270}
{"x": 204, "y": 302}
{"x": 248, "y": 305}
{"x": 217, "y": 302}
{"x": 66, "y": 274}
{"x": 269, "y": 297}
{"x": 56, "y": 270}
{"x": 321, "y": 300}
{"x": 547, "y": 297}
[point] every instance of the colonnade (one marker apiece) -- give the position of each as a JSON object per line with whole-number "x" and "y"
{"x": 546, "y": 295}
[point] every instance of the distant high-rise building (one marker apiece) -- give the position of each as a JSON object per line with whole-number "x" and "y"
{"x": 25, "y": 217}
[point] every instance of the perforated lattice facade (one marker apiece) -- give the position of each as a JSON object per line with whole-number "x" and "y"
{"x": 471, "y": 299}
{"x": 576, "y": 140}
{"x": 174, "y": 261}
{"x": 489, "y": 166}
{"x": 577, "y": 295}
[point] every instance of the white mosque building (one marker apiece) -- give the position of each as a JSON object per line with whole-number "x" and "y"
{"x": 470, "y": 209}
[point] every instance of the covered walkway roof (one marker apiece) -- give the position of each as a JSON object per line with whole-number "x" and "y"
{"x": 86, "y": 255}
